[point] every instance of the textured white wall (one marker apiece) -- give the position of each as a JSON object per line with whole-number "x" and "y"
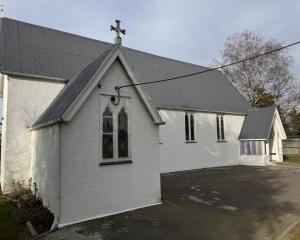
{"x": 277, "y": 142}
{"x": 24, "y": 101}
{"x": 177, "y": 155}
{"x": 255, "y": 160}
{"x": 90, "y": 190}
{"x": 4, "y": 127}
{"x": 45, "y": 165}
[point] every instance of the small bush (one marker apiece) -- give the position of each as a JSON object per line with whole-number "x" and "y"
{"x": 30, "y": 206}
{"x": 19, "y": 188}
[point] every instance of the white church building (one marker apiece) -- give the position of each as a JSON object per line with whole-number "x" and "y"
{"x": 80, "y": 122}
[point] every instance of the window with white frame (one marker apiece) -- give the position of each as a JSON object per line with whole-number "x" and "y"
{"x": 107, "y": 134}
{"x": 122, "y": 134}
{"x": 220, "y": 128}
{"x": 252, "y": 147}
{"x": 115, "y": 134}
{"x": 189, "y": 127}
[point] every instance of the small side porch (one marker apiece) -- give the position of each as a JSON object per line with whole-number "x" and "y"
{"x": 261, "y": 137}
{"x": 260, "y": 152}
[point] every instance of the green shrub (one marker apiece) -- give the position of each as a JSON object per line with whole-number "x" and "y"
{"x": 292, "y": 158}
{"x": 20, "y": 188}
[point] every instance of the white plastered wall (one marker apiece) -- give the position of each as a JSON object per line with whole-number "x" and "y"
{"x": 24, "y": 99}
{"x": 45, "y": 165}
{"x": 279, "y": 135}
{"x": 177, "y": 155}
{"x": 90, "y": 191}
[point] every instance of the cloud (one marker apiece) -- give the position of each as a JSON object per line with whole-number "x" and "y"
{"x": 190, "y": 30}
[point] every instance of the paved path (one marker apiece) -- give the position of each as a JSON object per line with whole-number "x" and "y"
{"x": 221, "y": 203}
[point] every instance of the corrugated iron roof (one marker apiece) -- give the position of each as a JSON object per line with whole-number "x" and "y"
{"x": 73, "y": 88}
{"x": 32, "y": 49}
{"x": 258, "y": 123}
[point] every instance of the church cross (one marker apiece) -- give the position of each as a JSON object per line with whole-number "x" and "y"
{"x": 118, "y": 30}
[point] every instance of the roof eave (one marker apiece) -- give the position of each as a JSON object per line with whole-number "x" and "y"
{"x": 35, "y": 76}
{"x": 46, "y": 124}
{"x": 159, "y": 123}
{"x": 199, "y": 110}
{"x": 253, "y": 139}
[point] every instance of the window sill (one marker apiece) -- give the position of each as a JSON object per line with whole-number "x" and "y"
{"x": 254, "y": 155}
{"x": 221, "y": 141}
{"x": 115, "y": 162}
{"x": 191, "y": 142}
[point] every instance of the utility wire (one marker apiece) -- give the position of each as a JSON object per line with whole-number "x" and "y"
{"x": 210, "y": 69}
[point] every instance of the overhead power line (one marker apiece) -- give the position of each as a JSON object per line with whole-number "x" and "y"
{"x": 210, "y": 69}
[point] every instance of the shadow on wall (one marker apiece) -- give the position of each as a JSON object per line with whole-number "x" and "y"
{"x": 45, "y": 165}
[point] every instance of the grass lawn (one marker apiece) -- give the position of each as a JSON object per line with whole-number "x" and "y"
{"x": 9, "y": 229}
{"x": 297, "y": 233}
{"x": 292, "y": 159}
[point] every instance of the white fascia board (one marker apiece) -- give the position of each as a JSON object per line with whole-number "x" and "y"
{"x": 279, "y": 121}
{"x": 46, "y": 124}
{"x": 97, "y": 78}
{"x": 83, "y": 95}
{"x": 140, "y": 88}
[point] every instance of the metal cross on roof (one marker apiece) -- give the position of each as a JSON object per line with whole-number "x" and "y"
{"x": 118, "y": 30}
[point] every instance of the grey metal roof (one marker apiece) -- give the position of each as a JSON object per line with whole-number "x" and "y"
{"x": 72, "y": 89}
{"x": 31, "y": 49}
{"x": 258, "y": 123}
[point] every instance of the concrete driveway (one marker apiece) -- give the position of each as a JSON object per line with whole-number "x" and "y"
{"x": 221, "y": 203}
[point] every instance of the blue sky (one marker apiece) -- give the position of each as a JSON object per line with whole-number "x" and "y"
{"x": 190, "y": 30}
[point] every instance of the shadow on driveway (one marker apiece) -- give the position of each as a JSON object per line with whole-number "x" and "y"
{"x": 220, "y": 203}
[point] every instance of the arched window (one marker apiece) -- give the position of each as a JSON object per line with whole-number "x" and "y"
{"x": 220, "y": 128}
{"x": 187, "y": 131}
{"x": 122, "y": 134}
{"x": 107, "y": 134}
{"x": 192, "y": 127}
{"x": 189, "y": 127}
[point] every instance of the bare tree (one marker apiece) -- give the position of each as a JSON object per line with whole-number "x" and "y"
{"x": 269, "y": 75}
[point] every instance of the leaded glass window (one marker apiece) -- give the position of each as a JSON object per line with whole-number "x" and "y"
{"x": 192, "y": 127}
{"x": 123, "y": 134}
{"x": 107, "y": 134}
{"x": 187, "y": 131}
{"x": 189, "y": 127}
{"x": 220, "y": 128}
{"x": 252, "y": 147}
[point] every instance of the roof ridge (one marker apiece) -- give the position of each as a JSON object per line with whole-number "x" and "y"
{"x": 167, "y": 58}
{"x": 103, "y": 42}
{"x": 55, "y": 30}
{"x": 205, "y": 94}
